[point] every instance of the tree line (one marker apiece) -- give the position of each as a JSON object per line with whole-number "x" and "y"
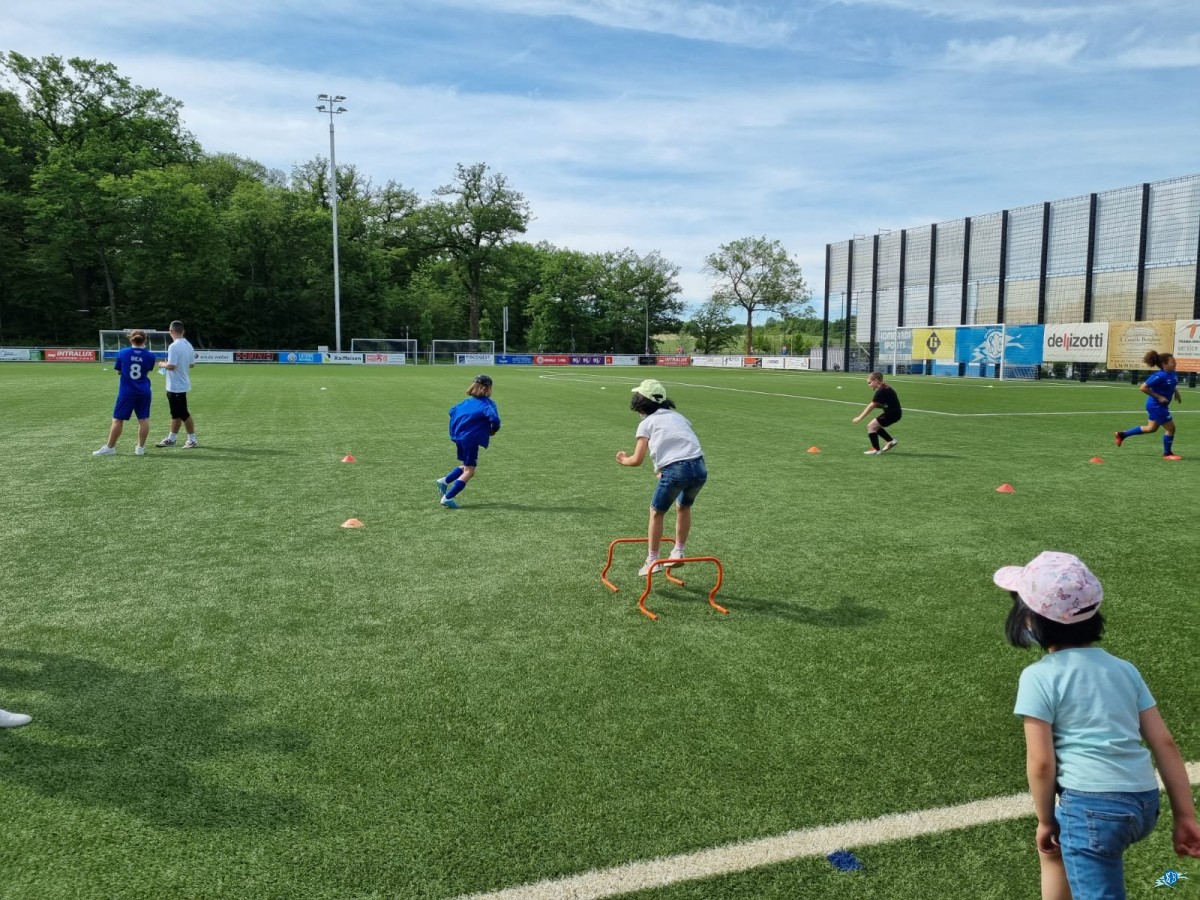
{"x": 113, "y": 216}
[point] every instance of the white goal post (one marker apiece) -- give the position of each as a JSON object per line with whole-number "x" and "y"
{"x": 113, "y": 340}
{"x": 392, "y": 351}
{"x": 463, "y": 353}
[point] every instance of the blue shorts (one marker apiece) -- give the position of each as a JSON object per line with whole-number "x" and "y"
{"x": 680, "y": 480}
{"x": 132, "y": 404}
{"x": 1158, "y": 412}
{"x": 468, "y": 452}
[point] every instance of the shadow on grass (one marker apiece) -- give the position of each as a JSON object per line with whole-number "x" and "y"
{"x": 140, "y": 742}
{"x": 848, "y": 613}
{"x": 209, "y": 450}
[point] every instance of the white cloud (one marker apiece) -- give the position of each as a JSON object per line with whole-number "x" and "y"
{"x": 1057, "y": 50}
{"x": 1184, "y": 54}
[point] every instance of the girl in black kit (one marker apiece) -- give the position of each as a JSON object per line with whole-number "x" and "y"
{"x": 885, "y": 398}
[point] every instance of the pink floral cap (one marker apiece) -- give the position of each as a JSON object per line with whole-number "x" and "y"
{"x": 1055, "y": 585}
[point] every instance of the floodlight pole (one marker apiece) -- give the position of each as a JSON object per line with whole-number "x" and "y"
{"x": 647, "y": 352}
{"x": 330, "y": 106}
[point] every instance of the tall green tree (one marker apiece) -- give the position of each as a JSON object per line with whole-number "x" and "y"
{"x": 89, "y": 122}
{"x": 756, "y": 274}
{"x": 471, "y": 219}
{"x": 712, "y": 326}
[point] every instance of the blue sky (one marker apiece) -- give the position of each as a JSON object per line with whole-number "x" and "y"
{"x": 677, "y": 126}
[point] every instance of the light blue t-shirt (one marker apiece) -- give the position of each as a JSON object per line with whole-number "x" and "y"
{"x": 1092, "y": 701}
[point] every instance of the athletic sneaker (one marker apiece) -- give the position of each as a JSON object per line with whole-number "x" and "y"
{"x": 676, "y": 553}
{"x": 1171, "y": 456}
{"x": 139, "y": 451}
{"x": 448, "y": 503}
{"x": 645, "y": 570}
{"x": 872, "y": 452}
{"x": 13, "y": 720}
{"x": 190, "y": 445}
{"x": 166, "y": 442}
{"x": 1120, "y": 438}
{"x": 888, "y": 446}
{"x": 105, "y": 451}
{"x": 442, "y": 487}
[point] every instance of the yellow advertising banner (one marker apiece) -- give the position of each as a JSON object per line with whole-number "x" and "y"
{"x": 933, "y": 343}
{"x": 1129, "y": 341}
{"x": 1187, "y": 345}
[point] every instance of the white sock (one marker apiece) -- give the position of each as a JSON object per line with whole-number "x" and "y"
{"x": 678, "y": 550}
{"x": 191, "y": 435}
{"x": 651, "y": 555}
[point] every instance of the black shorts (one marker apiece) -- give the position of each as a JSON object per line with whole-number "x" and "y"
{"x": 883, "y": 421}
{"x": 178, "y": 404}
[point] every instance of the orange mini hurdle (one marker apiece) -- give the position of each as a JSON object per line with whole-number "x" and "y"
{"x": 660, "y": 565}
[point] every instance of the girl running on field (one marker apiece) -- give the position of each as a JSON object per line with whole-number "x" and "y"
{"x": 885, "y": 398}
{"x": 1160, "y": 388}
{"x": 472, "y": 424}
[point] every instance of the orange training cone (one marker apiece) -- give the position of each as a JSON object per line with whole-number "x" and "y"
{"x": 1096, "y": 459}
{"x": 1005, "y": 489}
{"x": 814, "y": 449}
{"x": 348, "y": 458}
{"x": 352, "y": 523}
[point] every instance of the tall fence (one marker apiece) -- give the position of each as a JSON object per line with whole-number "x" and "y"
{"x": 1124, "y": 255}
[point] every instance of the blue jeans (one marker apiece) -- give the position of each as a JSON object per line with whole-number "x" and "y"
{"x": 681, "y": 480}
{"x": 1094, "y": 832}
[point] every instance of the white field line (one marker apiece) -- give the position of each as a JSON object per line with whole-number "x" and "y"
{"x": 932, "y": 412}
{"x": 805, "y": 843}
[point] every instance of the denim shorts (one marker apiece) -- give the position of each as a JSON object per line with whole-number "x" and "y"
{"x": 1094, "y": 832}
{"x": 681, "y": 480}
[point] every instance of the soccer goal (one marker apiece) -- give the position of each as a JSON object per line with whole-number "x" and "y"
{"x": 113, "y": 341}
{"x": 463, "y": 353}
{"x": 385, "y": 350}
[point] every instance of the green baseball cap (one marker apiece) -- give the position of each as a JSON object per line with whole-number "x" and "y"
{"x": 651, "y": 390}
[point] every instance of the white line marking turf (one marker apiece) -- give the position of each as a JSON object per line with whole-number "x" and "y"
{"x": 805, "y": 843}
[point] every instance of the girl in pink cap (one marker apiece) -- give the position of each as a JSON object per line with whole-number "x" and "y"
{"x": 1086, "y": 715}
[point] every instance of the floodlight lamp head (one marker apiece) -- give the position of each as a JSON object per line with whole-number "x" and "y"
{"x": 321, "y": 108}
{"x": 337, "y": 98}
{"x": 322, "y": 96}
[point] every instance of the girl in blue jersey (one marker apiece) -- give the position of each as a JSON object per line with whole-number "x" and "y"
{"x": 136, "y": 365}
{"x": 472, "y": 423}
{"x": 1087, "y": 714}
{"x": 1159, "y": 389}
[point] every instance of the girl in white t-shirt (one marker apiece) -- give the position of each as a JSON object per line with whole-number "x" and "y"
{"x": 678, "y": 462}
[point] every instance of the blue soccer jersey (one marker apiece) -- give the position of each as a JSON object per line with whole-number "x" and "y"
{"x": 1163, "y": 383}
{"x": 136, "y": 365}
{"x": 474, "y": 420}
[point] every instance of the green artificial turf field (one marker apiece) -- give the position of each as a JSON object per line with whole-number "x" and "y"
{"x": 233, "y": 696}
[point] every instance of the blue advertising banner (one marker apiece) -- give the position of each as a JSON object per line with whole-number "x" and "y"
{"x": 514, "y": 359}
{"x": 302, "y": 358}
{"x": 1020, "y": 345}
{"x": 587, "y": 360}
{"x": 112, "y": 354}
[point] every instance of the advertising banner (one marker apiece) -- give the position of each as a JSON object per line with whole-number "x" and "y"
{"x": 620, "y": 360}
{"x": 214, "y": 356}
{"x": 58, "y": 355}
{"x": 1017, "y": 345}
{"x": 752, "y": 362}
{"x": 344, "y": 359}
{"x": 708, "y": 362}
{"x": 515, "y": 359}
{"x": 896, "y": 345}
{"x": 295, "y": 357}
{"x": 797, "y": 362}
{"x": 13, "y": 355}
{"x": 254, "y": 356}
{"x": 1129, "y": 341}
{"x": 1187, "y": 345}
{"x": 552, "y": 359}
{"x": 1075, "y": 342}
{"x": 474, "y": 359}
{"x": 933, "y": 343}
{"x": 673, "y": 361}
{"x": 385, "y": 359}
{"x": 773, "y": 362}
{"x": 585, "y": 360}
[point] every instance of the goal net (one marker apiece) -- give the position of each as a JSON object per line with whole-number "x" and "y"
{"x": 463, "y": 353}
{"x": 113, "y": 341}
{"x": 385, "y": 350}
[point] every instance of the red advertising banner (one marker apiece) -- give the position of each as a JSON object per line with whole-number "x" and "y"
{"x": 752, "y": 362}
{"x": 557, "y": 359}
{"x": 52, "y": 355}
{"x": 673, "y": 361}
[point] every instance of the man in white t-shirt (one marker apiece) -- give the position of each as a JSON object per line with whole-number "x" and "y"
{"x": 180, "y": 359}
